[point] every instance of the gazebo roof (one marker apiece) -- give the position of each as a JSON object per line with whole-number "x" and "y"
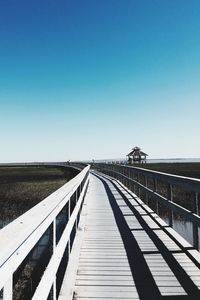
{"x": 136, "y": 150}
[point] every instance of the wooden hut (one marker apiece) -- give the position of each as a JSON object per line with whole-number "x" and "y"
{"x": 137, "y": 156}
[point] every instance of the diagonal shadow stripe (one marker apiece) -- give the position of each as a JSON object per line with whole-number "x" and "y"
{"x": 184, "y": 279}
{"x": 143, "y": 278}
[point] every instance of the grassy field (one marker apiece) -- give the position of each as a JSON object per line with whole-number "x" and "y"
{"x": 180, "y": 196}
{"x": 23, "y": 187}
{"x": 182, "y": 169}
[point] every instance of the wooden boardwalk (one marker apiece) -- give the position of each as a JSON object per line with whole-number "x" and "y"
{"x": 128, "y": 252}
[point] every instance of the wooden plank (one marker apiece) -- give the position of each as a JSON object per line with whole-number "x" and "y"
{"x": 104, "y": 283}
{"x": 171, "y": 286}
{"x": 126, "y": 210}
{"x": 103, "y": 256}
{"x": 105, "y": 278}
{"x": 133, "y": 297}
{"x": 104, "y": 271}
{"x": 101, "y": 242}
{"x": 107, "y": 264}
{"x": 172, "y": 291}
{"x": 106, "y": 268}
{"x": 170, "y": 244}
{"x": 112, "y": 288}
{"x": 165, "y": 279}
{"x": 195, "y": 254}
{"x": 102, "y": 248}
{"x": 150, "y": 222}
{"x": 103, "y": 264}
{"x": 114, "y": 260}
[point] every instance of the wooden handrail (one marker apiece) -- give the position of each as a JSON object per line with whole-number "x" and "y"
{"x": 19, "y": 237}
{"x": 129, "y": 176}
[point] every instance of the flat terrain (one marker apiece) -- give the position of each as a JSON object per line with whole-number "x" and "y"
{"x": 182, "y": 169}
{"x": 23, "y": 187}
{"x": 181, "y": 197}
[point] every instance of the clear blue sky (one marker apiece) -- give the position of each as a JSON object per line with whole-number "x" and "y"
{"x": 94, "y": 78}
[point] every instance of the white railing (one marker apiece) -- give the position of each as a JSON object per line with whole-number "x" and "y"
{"x": 44, "y": 222}
{"x": 162, "y": 189}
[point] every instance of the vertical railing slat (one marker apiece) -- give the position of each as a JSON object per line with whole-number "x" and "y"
{"x": 194, "y": 226}
{"x": 170, "y": 198}
{"x": 8, "y": 289}
{"x": 155, "y": 188}
{"x": 54, "y": 248}
{"x": 69, "y": 209}
{"x": 130, "y": 176}
{"x": 146, "y": 194}
{"x": 49, "y": 219}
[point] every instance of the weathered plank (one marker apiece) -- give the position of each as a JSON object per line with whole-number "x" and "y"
{"x": 104, "y": 270}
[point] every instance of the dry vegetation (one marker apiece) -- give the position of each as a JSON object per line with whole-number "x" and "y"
{"x": 180, "y": 196}
{"x": 23, "y": 187}
{"x": 20, "y": 189}
{"x": 182, "y": 169}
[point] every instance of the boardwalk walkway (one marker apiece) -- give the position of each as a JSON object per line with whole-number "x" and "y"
{"x": 128, "y": 252}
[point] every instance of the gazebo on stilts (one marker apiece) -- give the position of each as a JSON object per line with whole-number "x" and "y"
{"x": 137, "y": 156}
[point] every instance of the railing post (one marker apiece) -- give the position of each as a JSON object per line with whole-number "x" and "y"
{"x": 134, "y": 186}
{"x": 78, "y": 213}
{"x": 138, "y": 188}
{"x": 122, "y": 174}
{"x": 129, "y": 176}
{"x": 170, "y": 198}
{"x": 125, "y": 180}
{"x": 115, "y": 171}
{"x": 69, "y": 242}
{"x": 155, "y": 188}
{"x": 194, "y": 226}
{"x": 54, "y": 248}
{"x": 146, "y": 194}
{"x": 8, "y": 289}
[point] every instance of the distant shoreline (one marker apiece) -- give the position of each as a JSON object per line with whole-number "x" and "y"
{"x": 151, "y": 160}
{"x": 174, "y": 160}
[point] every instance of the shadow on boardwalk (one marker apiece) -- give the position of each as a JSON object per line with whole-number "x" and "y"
{"x": 146, "y": 285}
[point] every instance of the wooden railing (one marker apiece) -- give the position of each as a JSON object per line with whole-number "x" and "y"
{"x": 36, "y": 246}
{"x": 177, "y": 194}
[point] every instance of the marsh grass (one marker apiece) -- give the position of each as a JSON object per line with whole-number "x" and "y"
{"x": 20, "y": 189}
{"x": 182, "y": 169}
{"x": 23, "y": 187}
{"x": 180, "y": 196}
